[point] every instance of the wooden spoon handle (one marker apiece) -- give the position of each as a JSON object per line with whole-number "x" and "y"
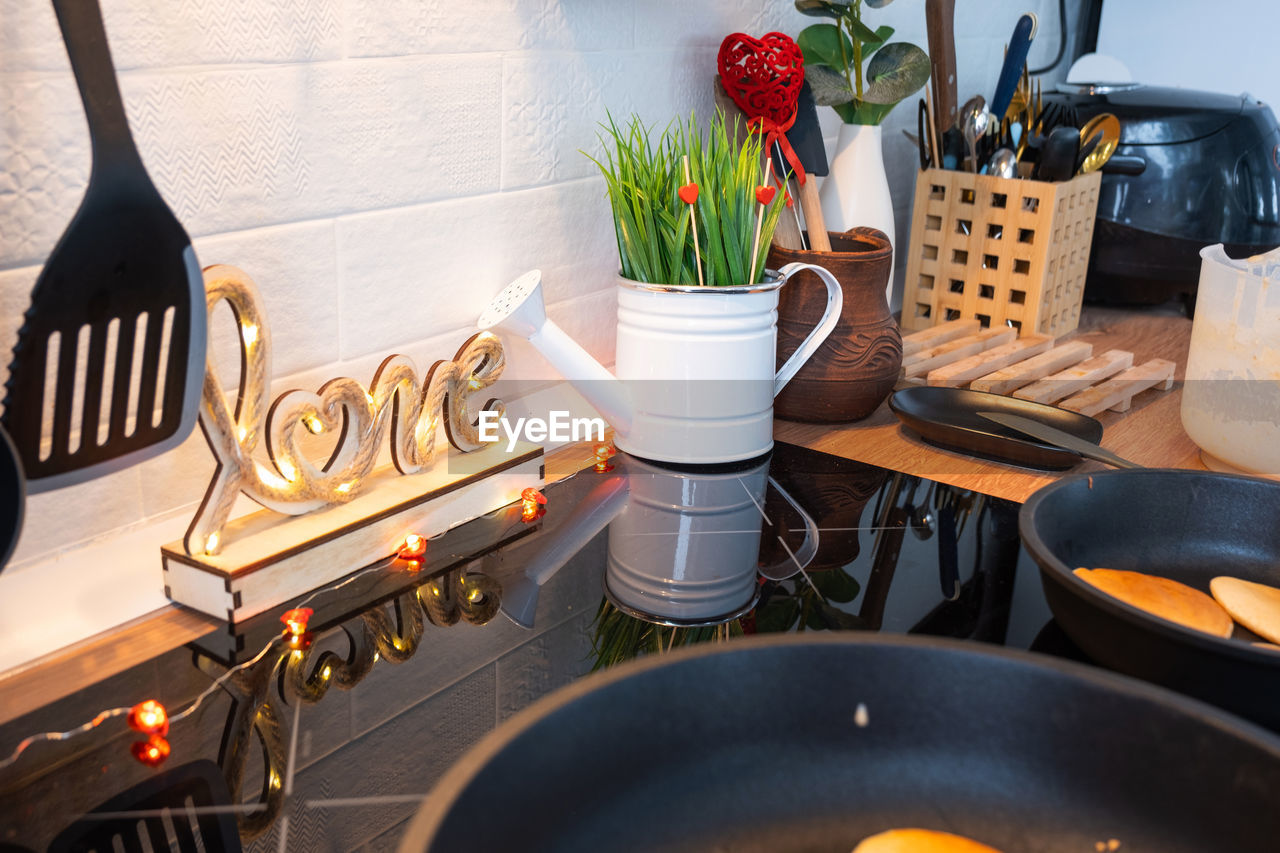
{"x": 813, "y": 219}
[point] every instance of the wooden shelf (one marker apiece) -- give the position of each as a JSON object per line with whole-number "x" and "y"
{"x": 1150, "y": 433}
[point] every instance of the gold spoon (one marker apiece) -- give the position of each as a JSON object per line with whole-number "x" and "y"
{"x": 1109, "y": 126}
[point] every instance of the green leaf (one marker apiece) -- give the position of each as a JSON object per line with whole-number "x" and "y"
{"x": 820, "y": 8}
{"x": 882, "y": 35}
{"x": 836, "y": 585}
{"x": 896, "y": 71}
{"x": 829, "y": 87}
{"x": 838, "y": 620}
{"x": 778, "y": 615}
{"x": 861, "y": 31}
{"x": 820, "y": 45}
{"x": 864, "y": 112}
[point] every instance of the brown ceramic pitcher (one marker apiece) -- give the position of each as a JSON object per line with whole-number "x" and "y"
{"x": 856, "y": 367}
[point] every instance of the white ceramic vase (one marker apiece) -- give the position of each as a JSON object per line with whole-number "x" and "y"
{"x": 856, "y": 191}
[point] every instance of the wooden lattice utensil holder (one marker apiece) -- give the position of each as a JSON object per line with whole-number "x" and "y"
{"x": 1004, "y": 251}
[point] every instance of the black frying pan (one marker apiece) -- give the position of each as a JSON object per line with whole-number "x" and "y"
{"x": 13, "y": 493}
{"x": 1187, "y": 525}
{"x": 753, "y": 746}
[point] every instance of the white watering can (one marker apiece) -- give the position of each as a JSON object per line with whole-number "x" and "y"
{"x": 684, "y": 545}
{"x": 695, "y": 365}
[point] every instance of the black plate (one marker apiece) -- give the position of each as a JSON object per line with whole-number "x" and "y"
{"x": 948, "y": 418}
{"x": 1190, "y": 526}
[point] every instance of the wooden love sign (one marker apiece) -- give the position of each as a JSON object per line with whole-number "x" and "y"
{"x": 341, "y": 514}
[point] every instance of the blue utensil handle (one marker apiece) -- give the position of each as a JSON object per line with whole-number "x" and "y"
{"x": 1019, "y": 47}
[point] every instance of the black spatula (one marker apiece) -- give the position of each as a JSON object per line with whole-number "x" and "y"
{"x": 805, "y": 137}
{"x": 108, "y": 366}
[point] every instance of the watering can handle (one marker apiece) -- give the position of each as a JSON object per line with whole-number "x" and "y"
{"x": 803, "y": 555}
{"x": 835, "y": 303}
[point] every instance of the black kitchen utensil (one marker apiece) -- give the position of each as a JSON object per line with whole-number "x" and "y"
{"x": 759, "y": 745}
{"x": 13, "y": 493}
{"x": 1058, "y": 155}
{"x": 1051, "y": 435}
{"x": 1191, "y": 526}
{"x": 950, "y": 418}
{"x": 121, "y": 292}
{"x": 159, "y": 814}
{"x": 805, "y": 137}
{"x": 925, "y": 138}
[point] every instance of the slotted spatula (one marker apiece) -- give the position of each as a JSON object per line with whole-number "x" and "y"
{"x": 109, "y": 362}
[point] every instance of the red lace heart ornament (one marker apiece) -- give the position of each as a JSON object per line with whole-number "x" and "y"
{"x": 762, "y": 76}
{"x": 688, "y": 193}
{"x": 764, "y": 195}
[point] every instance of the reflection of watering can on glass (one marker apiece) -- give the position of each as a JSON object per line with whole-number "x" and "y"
{"x": 695, "y": 365}
{"x": 684, "y": 544}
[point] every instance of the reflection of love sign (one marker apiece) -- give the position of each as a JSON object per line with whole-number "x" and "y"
{"x": 396, "y": 401}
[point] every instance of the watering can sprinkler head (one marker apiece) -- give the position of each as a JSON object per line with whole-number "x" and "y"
{"x": 520, "y": 310}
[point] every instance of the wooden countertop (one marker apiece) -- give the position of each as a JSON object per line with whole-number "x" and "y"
{"x": 1150, "y": 433}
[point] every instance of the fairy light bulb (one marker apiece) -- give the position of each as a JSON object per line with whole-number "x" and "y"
{"x": 413, "y": 548}
{"x": 532, "y": 504}
{"x": 295, "y": 621}
{"x": 149, "y": 718}
{"x": 152, "y": 752}
{"x": 603, "y": 452}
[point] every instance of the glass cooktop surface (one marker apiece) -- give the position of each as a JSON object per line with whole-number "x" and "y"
{"x": 328, "y": 739}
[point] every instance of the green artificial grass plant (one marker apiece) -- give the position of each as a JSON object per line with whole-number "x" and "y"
{"x": 653, "y": 223}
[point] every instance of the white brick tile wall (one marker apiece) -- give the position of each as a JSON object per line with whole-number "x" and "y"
{"x": 399, "y": 27}
{"x": 381, "y": 167}
{"x": 161, "y": 33}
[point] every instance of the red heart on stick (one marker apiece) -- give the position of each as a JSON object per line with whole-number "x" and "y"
{"x": 762, "y": 76}
{"x": 764, "y": 195}
{"x": 689, "y": 193}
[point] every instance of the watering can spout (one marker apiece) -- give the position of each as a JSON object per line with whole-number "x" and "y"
{"x": 519, "y": 310}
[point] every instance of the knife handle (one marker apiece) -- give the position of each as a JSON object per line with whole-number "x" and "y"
{"x": 940, "y": 18}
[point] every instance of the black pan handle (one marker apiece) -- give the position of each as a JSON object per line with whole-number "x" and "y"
{"x": 1124, "y": 165}
{"x": 85, "y": 37}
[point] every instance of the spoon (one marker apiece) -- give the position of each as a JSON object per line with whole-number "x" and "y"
{"x": 1003, "y": 164}
{"x": 973, "y": 121}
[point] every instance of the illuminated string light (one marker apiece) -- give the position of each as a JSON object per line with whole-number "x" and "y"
{"x": 413, "y": 548}
{"x": 152, "y": 752}
{"x": 532, "y": 504}
{"x": 295, "y": 620}
{"x": 149, "y": 718}
{"x": 603, "y": 452}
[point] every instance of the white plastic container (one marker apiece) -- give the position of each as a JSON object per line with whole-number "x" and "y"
{"x": 1231, "y": 399}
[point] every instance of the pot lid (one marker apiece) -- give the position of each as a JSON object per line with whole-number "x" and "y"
{"x": 1155, "y": 115}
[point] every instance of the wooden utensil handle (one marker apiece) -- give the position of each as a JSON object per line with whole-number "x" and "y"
{"x": 940, "y": 21}
{"x": 85, "y": 37}
{"x": 813, "y": 220}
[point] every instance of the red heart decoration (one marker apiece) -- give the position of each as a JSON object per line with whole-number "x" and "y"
{"x": 689, "y": 193}
{"x": 764, "y": 195}
{"x": 762, "y": 76}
